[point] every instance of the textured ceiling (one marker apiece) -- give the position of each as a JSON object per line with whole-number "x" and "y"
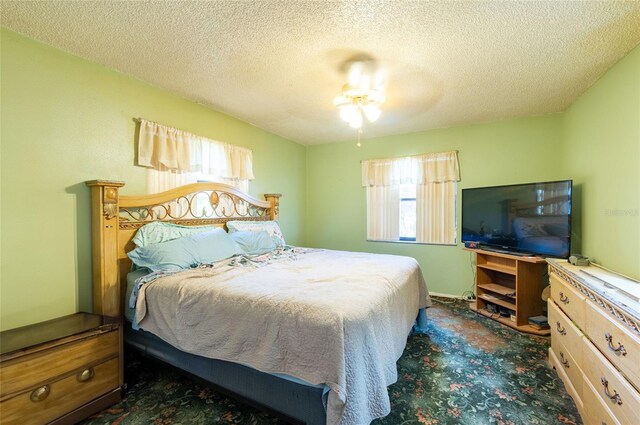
{"x": 279, "y": 64}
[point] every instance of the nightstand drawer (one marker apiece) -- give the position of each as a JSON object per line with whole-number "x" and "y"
{"x": 62, "y": 396}
{"x": 45, "y": 366}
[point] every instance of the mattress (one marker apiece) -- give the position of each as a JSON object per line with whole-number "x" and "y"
{"x": 325, "y": 317}
{"x": 146, "y": 342}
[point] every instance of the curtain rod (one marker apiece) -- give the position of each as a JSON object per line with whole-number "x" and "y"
{"x": 409, "y": 156}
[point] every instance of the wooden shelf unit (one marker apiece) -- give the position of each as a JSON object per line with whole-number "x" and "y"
{"x": 488, "y": 297}
{"x": 513, "y": 282}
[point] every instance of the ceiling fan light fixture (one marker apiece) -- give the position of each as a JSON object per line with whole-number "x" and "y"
{"x": 340, "y": 101}
{"x": 375, "y": 97}
{"x": 355, "y": 73}
{"x": 372, "y": 112}
{"x": 348, "y": 111}
{"x": 361, "y": 96}
{"x": 356, "y": 120}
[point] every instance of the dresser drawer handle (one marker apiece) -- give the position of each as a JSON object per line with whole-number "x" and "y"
{"x": 85, "y": 375}
{"x": 564, "y": 298}
{"x": 561, "y": 330}
{"x": 40, "y": 394}
{"x": 615, "y": 397}
{"x": 564, "y": 361}
{"x": 620, "y": 348}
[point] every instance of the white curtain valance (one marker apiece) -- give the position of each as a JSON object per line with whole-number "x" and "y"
{"x": 168, "y": 149}
{"x": 419, "y": 169}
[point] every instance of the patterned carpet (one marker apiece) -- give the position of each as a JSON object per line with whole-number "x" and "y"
{"x": 467, "y": 369}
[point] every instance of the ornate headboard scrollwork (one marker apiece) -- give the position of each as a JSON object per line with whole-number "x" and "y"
{"x": 116, "y": 218}
{"x": 200, "y": 205}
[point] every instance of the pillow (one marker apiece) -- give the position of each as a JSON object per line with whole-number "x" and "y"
{"x": 158, "y": 232}
{"x": 186, "y": 252}
{"x": 254, "y": 243}
{"x": 271, "y": 227}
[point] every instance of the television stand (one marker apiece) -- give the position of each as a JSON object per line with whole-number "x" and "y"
{"x": 509, "y": 282}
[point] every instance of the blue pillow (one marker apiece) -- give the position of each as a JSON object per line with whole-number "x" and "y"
{"x": 254, "y": 243}
{"x": 270, "y": 227}
{"x": 186, "y": 252}
{"x": 159, "y": 231}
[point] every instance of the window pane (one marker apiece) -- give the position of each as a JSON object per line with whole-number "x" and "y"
{"x": 408, "y": 219}
{"x": 408, "y": 191}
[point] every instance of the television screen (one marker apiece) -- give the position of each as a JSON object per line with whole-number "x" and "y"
{"x": 530, "y": 218}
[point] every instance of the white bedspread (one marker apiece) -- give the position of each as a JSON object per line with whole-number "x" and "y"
{"x": 326, "y": 317}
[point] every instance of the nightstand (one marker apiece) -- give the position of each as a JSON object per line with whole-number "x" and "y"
{"x": 60, "y": 371}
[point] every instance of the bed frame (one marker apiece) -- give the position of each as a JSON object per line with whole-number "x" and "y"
{"x": 115, "y": 219}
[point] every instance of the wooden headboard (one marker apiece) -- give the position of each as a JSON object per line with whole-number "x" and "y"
{"x": 115, "y": 220}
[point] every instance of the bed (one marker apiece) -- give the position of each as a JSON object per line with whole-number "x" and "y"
{"x": 285, "y": 332}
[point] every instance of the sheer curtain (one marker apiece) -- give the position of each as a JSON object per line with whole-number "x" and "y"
{"x": 435, "y": 176}
{"x": 436, "y": 192}
{"x": 383, "y": 213}
{"x": 175, "y": 158}
{"x": 436, "y": 212}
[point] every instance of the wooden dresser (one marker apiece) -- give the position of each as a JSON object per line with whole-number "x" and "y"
{"x": 595, "y": 342}
{"x": 60, "y": 371}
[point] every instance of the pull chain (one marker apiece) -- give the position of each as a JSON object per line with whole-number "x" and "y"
{"x": 359, "y": 133}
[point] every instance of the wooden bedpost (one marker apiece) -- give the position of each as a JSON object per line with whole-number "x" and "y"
{"x": 274, "y": 200}
{"x": 104, "y": 246}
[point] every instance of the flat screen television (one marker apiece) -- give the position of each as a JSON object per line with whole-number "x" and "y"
{"x": 532, "y": 218}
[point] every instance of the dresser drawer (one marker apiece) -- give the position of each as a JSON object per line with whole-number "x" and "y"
{"x": 610, "y": 336}
{"x": 568, "y": 364}
{"x": 42, "y": 367}
{"x": 565, "y": 332}
{"x": 63, "y": 396}
{"x": 608, "y": 382}
{"x": 575, "y": 393}
{"x": 568, "y": 299}
{"x": 596, "y": 412}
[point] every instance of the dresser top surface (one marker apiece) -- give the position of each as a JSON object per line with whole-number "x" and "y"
{"x": 623, "y": 292}
{"x": 51, "y": 330}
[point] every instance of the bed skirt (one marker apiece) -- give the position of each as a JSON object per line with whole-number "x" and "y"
{"x": 294, "y": 402}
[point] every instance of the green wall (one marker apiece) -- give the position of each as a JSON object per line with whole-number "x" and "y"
{"x": 66, "y": 120}
{"x": 596, "y": 142}
{"x": 505, "y": 152}
{"x": 601, "y": 152}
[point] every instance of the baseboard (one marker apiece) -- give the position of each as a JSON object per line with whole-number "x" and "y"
{"x": 438, "y": 294}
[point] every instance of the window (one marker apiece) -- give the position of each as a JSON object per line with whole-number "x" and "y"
{"x": 408, "y": 212}
{"x": 174, "y": 158}
{"x": 412, "y": 199}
